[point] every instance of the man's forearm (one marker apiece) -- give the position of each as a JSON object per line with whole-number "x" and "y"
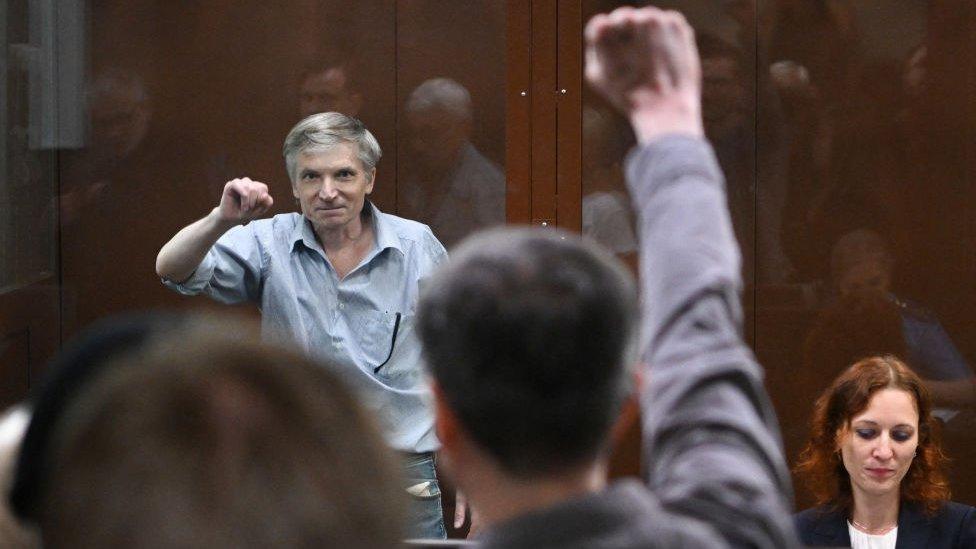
{"x": 180, "y": 257}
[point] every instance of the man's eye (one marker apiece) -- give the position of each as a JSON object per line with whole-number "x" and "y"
{"x": 866, "y": 434}
{"x": 344, "y": 174}
{"x": 308, "y": 176}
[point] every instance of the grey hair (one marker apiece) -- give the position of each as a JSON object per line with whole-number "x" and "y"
{"x": 444, "y": 94}
{"x": 323, "y": 131}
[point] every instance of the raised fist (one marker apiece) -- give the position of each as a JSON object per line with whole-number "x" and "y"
{"x": 243, "y": 200}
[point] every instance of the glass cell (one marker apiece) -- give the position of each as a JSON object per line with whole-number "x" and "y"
{"x": 451, "y": 137}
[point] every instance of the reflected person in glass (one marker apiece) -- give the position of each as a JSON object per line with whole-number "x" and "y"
{"x": 329, "y": 86}
{"x": 450, "y": 184}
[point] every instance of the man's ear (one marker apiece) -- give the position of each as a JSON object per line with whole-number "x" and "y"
{"x": 445, "y": 422}
{"x": 372, "y": 180}
{"x": 629, "y": 419}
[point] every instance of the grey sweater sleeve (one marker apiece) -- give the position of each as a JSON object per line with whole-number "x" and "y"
{"x": 711, "y": 443}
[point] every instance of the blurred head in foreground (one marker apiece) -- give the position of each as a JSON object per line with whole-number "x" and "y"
{"x": 205, "y": 437}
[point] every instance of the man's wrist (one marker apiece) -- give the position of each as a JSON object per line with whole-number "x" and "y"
{"x": 674, "y": 116}
{"x": 219, "y": 222}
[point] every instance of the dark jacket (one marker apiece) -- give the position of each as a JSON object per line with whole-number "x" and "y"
{"x": 624, "y": 515}
{"x": 954, "y": 526}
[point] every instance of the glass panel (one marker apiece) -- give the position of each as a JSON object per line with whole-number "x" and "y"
{"x": 29, "y": 85}
{"x": 845, "y": 133}
{"x": 877, "y": 223}
{"x": 181, "y": 100}
{"x": 451, "y": 87}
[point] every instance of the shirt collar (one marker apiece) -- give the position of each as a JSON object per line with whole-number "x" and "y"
{"x": 386, "y": 233}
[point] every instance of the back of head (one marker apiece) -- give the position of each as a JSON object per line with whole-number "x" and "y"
{"x": 219, "y": 441}
{"x": 527, "y": 334}
{"x": 80, "y": 364}
{"x": 14, "y": 533}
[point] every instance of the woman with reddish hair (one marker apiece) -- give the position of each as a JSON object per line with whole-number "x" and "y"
{"x": 875, "y": 465}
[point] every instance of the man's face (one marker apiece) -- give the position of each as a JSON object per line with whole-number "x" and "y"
{"x": 435, "y": 138}
{"x": 868, "y": 275}
{"x": 119, "y": 123}
{"x": 332, "y": 186}
{"x": 328, "y": 91}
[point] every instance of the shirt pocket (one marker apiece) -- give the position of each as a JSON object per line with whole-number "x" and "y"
{"x": 388, "y": 344}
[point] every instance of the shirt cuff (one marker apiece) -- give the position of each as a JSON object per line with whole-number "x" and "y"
{"x": 198, "y": 280}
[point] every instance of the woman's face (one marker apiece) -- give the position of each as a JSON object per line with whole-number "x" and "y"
{"x": 880, "y": 442}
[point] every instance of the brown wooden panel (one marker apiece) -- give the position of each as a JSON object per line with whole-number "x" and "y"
{"x": 452, "y": 93}
{"x": 29, "y": 336}
{"x": 518, "y": 118}
{"x": 544, "y": 125}
{"x": 569, "y": 135}
{"x": 14, "y": 367}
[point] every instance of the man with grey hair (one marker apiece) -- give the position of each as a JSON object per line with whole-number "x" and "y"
{"x": 450, "y": 184}
{"x": 340, "y": 279}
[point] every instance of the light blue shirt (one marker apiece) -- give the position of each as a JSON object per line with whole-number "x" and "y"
{"x": 279, "y": 265}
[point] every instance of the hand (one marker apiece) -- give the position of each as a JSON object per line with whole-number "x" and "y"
{"x": 461, "y": 509}
{"x": 244, "y": 200}
{"x": 645, "y": 62}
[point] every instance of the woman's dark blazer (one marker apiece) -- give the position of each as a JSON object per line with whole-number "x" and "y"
{"x": 954, "y": 526}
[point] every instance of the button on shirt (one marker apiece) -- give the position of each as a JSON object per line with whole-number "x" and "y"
{"x": 360, "y": 323}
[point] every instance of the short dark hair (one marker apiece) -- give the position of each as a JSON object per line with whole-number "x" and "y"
{"x": 323, "y": 63}
{"x": 528, "y": 334}
{"x": 217, "y": 440}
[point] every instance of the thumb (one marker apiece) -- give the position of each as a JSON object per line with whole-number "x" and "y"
{"x": 460, "y": 509}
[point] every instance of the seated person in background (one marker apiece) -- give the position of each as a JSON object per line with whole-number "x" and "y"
{"x": 205, "y": 437}
{"x": 530, "y": 336}
{"x": 861, "y": 262}
{"x": 450, "y": 185}
{"x": 876, "y": 466}
{"x": 607, "y": 213}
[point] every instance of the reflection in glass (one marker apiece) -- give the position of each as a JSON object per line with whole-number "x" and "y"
{"x": 451, "y": 185}
{"x": 607, "y": 213}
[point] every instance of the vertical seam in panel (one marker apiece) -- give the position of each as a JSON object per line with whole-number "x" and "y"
{"x": 755, "y": 175}
{"x": 396, "y": 107}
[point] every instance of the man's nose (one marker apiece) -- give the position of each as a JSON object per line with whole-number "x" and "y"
{"x": 328, "y": 189}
